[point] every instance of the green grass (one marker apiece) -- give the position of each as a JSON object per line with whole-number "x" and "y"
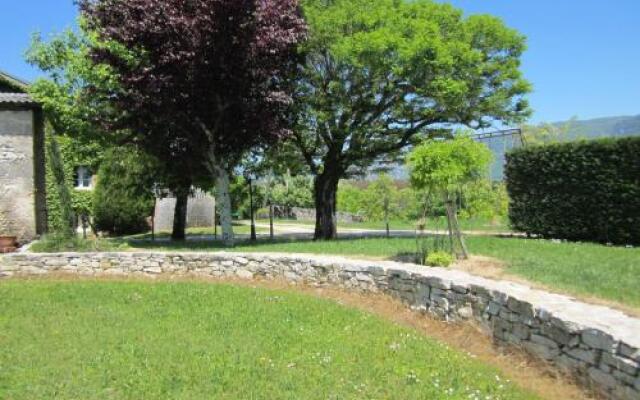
{"x": 116, "y": 340}
{"x": 610, "y": 273}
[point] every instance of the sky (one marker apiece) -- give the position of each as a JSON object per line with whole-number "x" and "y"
{"x": 583, "y": 56}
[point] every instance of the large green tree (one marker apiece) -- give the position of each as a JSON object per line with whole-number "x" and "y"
{"x": 381, "y": 74}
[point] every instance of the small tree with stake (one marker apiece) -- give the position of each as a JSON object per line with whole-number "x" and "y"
{"x": 443, "y": 167}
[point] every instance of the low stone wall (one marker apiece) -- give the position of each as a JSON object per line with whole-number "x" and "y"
{"x": 306, "y": 214}
{"x": 598, "y": 345}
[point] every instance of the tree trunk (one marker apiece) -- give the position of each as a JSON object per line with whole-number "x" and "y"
{"x": 271, "y": 220}
{"x": 458, "y": 232}
{"x": 180, "y": 215}
{"x": 386, "y": 215}
{"x": 455, "y": 234}
{"x": 223, "y": 200}
{"x": 325, "y": 193}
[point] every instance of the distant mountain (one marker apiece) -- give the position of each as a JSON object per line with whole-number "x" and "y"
{"x": 577, "y": 129}
{"x": 603, "y": 127}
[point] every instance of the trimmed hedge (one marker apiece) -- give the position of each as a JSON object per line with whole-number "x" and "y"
{"x": 587, "y": 191}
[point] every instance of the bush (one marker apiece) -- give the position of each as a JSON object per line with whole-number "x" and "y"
{"x": 588, "y": 191}
{"x": 439, "y": 259}
{"x": 123, "y": 198}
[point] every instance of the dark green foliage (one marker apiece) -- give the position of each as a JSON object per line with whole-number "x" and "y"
{"x": 123, "y": 198}
{"x": 72, "y": 153}
{"x": 578, "y": 191}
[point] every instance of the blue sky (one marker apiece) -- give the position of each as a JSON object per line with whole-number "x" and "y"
{"x": 583, "y": 57}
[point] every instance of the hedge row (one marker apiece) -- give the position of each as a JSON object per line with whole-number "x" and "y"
{"x": 587, "y": 191}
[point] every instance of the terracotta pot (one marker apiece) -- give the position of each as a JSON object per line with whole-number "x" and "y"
{"x": 8, "y": 241}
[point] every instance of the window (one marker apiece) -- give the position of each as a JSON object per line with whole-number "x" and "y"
{"x": 82, "y": 178}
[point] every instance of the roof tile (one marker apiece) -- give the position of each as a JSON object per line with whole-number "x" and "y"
{"x": 16, "y": 98}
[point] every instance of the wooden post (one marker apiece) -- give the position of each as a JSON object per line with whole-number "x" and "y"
{"x": 271, "y": 234}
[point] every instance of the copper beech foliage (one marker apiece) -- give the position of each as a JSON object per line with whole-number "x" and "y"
{"x": 199, "y": 76}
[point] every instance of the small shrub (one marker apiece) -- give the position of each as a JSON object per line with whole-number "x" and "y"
{"x": 439, "y": 259}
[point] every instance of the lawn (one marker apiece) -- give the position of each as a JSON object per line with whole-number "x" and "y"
{"x": 133, "y": 340}
{"x": 610, "y": 273}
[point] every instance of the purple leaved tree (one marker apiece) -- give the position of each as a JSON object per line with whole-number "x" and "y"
{"x": 205, "y": 79}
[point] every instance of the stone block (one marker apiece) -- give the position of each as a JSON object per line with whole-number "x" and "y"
{"x": 541, "y": 351}
{"x": 570, "y": 363}
{"x": 603, "y": 379}
{"x": 480, "y": 291}
{"x": 440, "y": 302}
{"x": 439, "y": 283}
{"x": 508, "y": 315}
{"x": 460, "y": 289}
{"x": 623, "y": 364}
{"x": 545, "y": 341}
{"x": 599, "y": 340}
{"x": 244, "y": 274}
{"x": 493, "y": 308}
{"x": 399, "y": 273}
{"x": 435, "y": 292}
{"x": 557, "y": 334}
{"x": 588, "y": 356}
{"x": 625, "y": 393}
{"x": 364, "y": 277}
{"x": 629, "y": 352}
{"x": 521, "y": 307}
{"x": 423, "y": 293}
{"x": 622, "y": 377}
{"x": 521, "y": 331}
{"x": 465, "y": 312}
{"x": 501, "y": 325}
{"x": 241, "y": 260}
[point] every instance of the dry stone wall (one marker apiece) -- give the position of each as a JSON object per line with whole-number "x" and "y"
{"x": 598, "y": 345}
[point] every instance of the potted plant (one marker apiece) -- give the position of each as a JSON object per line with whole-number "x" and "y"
{"x": 8, "y": 241}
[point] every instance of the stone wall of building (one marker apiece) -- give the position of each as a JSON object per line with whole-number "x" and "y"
{"x": 201, "y": 210}
{"x": 598, "y": 345}
{"x": 21, "y": 158}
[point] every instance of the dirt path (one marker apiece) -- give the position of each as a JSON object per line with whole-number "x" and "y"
{"x": 365, "y": 232}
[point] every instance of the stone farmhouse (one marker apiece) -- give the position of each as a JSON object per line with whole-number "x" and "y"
{"x": 22, "y": 162}
{"x": 23, "y": 208}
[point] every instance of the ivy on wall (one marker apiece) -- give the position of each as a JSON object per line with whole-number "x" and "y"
{"x": 74, "y": 153}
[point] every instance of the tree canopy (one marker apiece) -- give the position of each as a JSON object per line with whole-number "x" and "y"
{"x": 445, "y": 165}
